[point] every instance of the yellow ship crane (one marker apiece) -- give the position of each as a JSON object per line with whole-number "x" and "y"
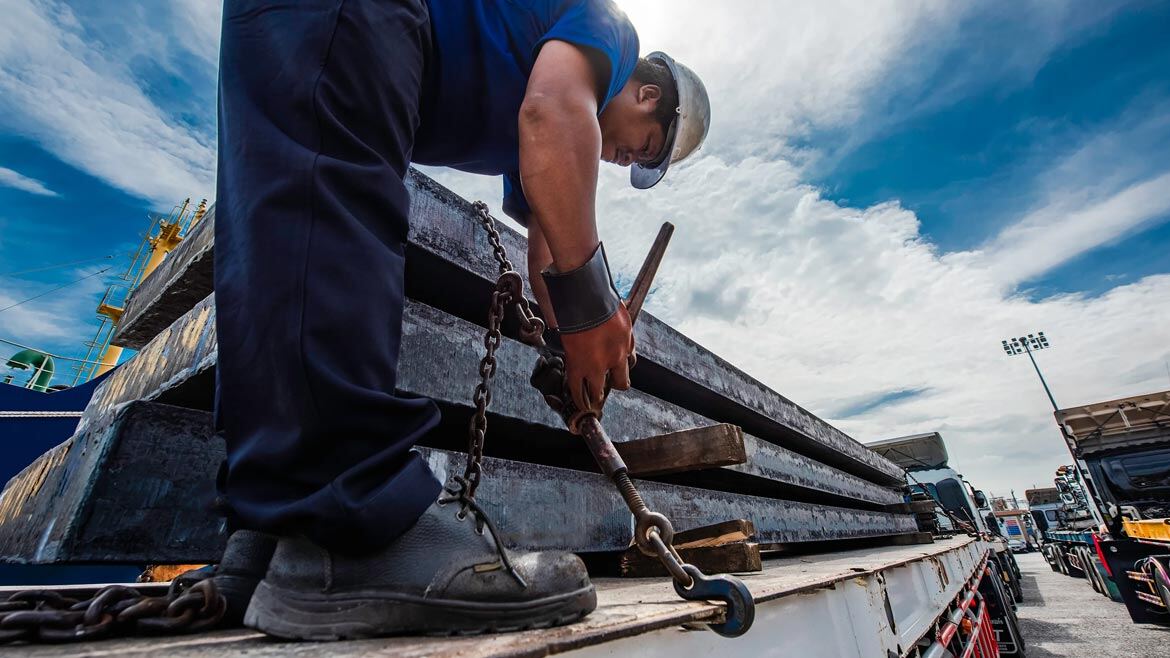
{"x": 164, "y": 234}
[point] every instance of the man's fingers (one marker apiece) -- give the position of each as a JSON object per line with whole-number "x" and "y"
{"x": 595, "y": 392}
{"x": 578, "y": 393}
{"x": 619, "y": 376}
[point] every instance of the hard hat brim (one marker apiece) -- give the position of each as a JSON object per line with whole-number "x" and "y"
{"x": 645, "y": 177}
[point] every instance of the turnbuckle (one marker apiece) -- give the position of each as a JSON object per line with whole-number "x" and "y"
{"x": 654, "y": 534}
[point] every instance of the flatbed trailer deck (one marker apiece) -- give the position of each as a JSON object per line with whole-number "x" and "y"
{"x": 863, "y": 603}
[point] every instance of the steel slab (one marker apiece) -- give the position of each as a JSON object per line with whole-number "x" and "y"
{"x": 186, "y": 349}
{"x": 449, "y": 251}
{"x": 140, "y": 488}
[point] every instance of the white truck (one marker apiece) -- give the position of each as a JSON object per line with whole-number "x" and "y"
{"x": 962, "y": 507}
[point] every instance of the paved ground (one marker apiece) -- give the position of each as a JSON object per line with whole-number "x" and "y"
{"x": 1063, "y": 616}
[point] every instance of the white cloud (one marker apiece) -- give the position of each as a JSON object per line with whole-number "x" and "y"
{"x": 197, "y": 26}
{"x": 1065, "y": 229}
{"x": 19, "y": 181}
{"x": 58, "y": 322}
{"x": 777, "y": 70}
{"x": 828, "y": 304}
{"x": 831, "y": 304}
{"x": 78, "y": 102}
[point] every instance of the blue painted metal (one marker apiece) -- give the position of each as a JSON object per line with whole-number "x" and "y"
{"x": 1074, "y": 536}
{"x": 32, "y": 422}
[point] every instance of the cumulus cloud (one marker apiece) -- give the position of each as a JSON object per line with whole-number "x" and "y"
{"x": 81, "y": 103}
{"x": 850, "y": 311}
{"x": 841, "y": 305}
{"x": 19, "y": 181}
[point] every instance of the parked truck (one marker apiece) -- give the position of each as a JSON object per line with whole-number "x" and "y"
{"x": 962, "y": 508}
{"x": 1069, "y": 528}
{"x": 1122, "y": 449}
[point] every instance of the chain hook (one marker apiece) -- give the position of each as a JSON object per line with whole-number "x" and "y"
{"x": 740, "y": 607}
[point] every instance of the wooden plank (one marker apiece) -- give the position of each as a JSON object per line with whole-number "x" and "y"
{"x": 728, "y": 558}
{"x": 685, "y": 450}
{"x": 141, "y": 489}
{"x": 727, "y": 532}
{"x": 625, "y": 608}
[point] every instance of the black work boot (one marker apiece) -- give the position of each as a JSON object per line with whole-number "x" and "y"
{"x": 448, "y": 574}
{"x": 242, "y": 567}
{"x": 244, "y": 563}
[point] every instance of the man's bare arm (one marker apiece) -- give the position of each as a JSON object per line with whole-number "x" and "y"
{"x": 560, "y": 147}
{"x": 539, "y": 258}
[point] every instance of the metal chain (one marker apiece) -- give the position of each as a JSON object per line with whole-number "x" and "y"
{"x": 509, "y": 292}
{"x": 115, "y": 610}
{"x": 654, "y": 532}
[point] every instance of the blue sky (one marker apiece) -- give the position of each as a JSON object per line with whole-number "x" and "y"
{"x": 886, "y": 187}
{"x": 967, "y": 168}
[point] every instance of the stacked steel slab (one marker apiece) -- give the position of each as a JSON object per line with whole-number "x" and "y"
{"x": 136, "y": 481}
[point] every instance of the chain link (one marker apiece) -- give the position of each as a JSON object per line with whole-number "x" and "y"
{"x": 509, "y": 292}
{"x": 114, "y": 610}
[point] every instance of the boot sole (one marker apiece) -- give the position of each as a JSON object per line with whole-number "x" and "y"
{"x": 319, "y": 616}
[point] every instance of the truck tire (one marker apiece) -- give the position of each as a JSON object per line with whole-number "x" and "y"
{"x": 1049, "y": 553}
{"x": 1072, "y": 558}
{"x": 1161, "y": 574}
{"x": 1012, "y": 621}
{"x": 1091, "y": 571}
{"x": 1015, "y": 577}
{"x": 1061, "y": 561}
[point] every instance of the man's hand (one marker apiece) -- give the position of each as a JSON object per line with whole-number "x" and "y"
{"x": 597, "y": 357}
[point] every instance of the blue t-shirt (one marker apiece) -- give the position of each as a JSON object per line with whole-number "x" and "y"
{"x": 483, "y": 53}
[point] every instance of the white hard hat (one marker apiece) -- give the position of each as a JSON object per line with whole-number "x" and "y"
{"x": 686, "y": 133}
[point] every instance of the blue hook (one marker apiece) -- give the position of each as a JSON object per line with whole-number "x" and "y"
{"x": 741, "y": 607}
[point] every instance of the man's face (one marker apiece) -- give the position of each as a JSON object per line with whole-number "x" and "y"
{"x": 630, "y": 132}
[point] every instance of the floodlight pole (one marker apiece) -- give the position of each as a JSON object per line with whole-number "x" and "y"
{"x": 1040, "y": 375}
{"x": 1041, "y": 343}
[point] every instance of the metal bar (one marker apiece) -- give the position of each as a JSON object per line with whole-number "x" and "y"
{"x": 645, "y": 277}
{"x": 448, "y": 250}
{"x": 185, "y": 352}
{"x": 141, "y": 489}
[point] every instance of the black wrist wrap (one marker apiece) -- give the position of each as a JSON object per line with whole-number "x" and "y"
{"x": 585, "y": 297}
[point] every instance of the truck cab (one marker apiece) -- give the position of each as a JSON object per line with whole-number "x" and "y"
{"x": 1123, "y": 449}
{"x": 962, "y": 507}
{"x": 926, "y": 462}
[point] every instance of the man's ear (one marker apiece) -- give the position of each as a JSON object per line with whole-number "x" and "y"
{"x": 649, "y": 93}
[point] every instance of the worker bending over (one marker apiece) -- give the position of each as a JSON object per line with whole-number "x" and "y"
{"x": 323, "y": 105}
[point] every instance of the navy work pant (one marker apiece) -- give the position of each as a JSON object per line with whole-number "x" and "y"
{"x": 318, "y": 106}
